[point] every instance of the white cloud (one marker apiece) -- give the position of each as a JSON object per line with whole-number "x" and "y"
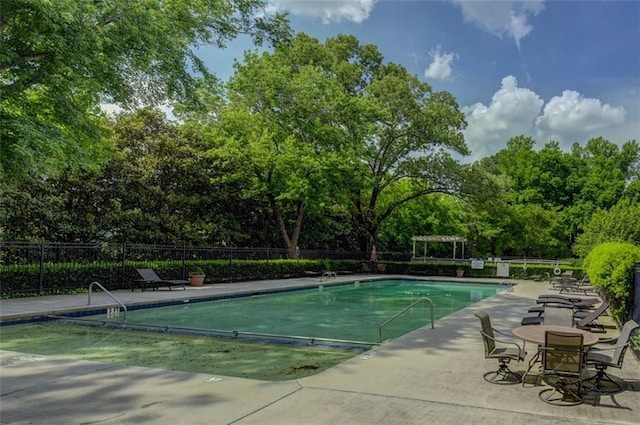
{"x": 516, "y": 110}
{"x": 440, "y": 67}
{"x": 502, "y": 17}
{"x": 513, "y": 111}
{"x": 329, "y": 11}
{"x": 573, "y": 113}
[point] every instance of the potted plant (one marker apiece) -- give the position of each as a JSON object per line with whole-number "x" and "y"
{"x": 460, "y": 272}
{"x": 196, "y": 277}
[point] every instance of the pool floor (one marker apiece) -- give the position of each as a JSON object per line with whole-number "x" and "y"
{"x": 245, "y": 359}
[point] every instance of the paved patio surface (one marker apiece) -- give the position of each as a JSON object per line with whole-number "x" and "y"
{"x": 427, "y": 376}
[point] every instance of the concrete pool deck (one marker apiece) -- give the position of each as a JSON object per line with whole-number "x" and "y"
{"x": 427, "y": 376}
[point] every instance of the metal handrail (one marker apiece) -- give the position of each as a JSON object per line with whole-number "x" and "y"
{"x": 404, "y": 310}
{"x": 108, "y": 293}
{"x": 328, "y": 275}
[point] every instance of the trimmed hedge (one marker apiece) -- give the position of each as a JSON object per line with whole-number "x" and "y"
{"x": 610, "y": 268}
{"x": 65, "y": 278}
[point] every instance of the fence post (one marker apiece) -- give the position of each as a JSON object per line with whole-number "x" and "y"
{"x": 230, "y": 256}
{"x": 268, "y": 272}
{"x": 41, "y": 277}
{"x": 184, "y": 260}
{"x": 123, "y": 269}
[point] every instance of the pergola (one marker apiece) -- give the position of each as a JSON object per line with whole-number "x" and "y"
{"x": 438, "y": 238}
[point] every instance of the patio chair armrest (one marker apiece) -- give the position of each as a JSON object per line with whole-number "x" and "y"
{"x": 607, "y": 341}
{"x": 502, "y": 333}
{"x": 596, "y": 349}
{"x": 502, "y": 341}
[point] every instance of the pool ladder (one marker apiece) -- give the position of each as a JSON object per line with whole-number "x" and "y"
{"x": 404, "y": 310}
{"x": 109, "y": 311}
{"x": 328, "y": 275}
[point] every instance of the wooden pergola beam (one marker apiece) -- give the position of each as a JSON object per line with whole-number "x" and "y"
{"x": 438, "y": 238}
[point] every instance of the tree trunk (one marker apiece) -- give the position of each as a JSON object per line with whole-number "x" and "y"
{"x": 290, "y": 242}
{"x": 366, "y": 235}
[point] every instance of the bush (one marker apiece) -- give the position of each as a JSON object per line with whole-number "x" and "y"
{"x": 610, "y": 268}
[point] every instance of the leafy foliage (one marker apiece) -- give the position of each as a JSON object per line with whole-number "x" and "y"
{"x": 293, "y": 120}
{"x": 60, "y": 59}
{"x": 319, "y": 144}
{"x": 551, "y": 195}
{"x": 621, "y": 223}
{"x": 610, "y": 267}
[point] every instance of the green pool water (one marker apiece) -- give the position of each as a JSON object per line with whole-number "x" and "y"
{"x": 346, "y": 312}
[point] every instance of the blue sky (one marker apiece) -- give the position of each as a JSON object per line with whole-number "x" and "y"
{"x": 553, "y": 70}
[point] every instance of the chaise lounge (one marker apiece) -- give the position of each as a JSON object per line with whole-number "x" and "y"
{"x": 149, "y": 277}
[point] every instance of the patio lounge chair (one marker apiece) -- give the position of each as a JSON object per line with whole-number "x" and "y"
{"x": 557, "y": 298}
{"x": 553, "y": 315}
{"x": 504, "y": 355}
{"x": 589, "y": 322}
{"x": 562, "y": 362}
{"x": 601, "y": 358}
{"x": 575, "y": 286}
{"x": 577, "y": 304}
{"x": 149, "y": 277}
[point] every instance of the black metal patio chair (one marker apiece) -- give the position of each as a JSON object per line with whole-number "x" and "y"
{"x": 562, "y": 364}
{"x": 504, "y": 353}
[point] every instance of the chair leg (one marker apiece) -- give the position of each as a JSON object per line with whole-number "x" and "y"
{"x": 603, "y": 383}
{"x": 561, "y": 394}
{"x": 503, "y": 375}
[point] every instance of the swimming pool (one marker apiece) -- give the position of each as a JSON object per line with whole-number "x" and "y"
{"x": 348, "y": 312}
{"x": 334, "y": 311}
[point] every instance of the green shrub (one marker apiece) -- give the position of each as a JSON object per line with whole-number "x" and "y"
{"x": 610, "y": 268}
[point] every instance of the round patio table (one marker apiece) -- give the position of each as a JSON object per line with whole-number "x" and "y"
{"x": 535, "y": 333}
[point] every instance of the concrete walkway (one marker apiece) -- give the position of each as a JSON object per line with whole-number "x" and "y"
{"x": 427, "y": 376}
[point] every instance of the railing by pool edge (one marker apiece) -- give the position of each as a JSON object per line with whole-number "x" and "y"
{"x": 404, "y": 310}
{"x": 124, "y": 307}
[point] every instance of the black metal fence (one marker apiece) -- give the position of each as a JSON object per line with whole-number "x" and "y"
{"x": 43, "y": 267}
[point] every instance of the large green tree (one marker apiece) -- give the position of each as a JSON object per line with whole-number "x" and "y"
{"x": 59, "y": 60}
{"x": 410, "y": 136}
{"x": 292, "y": 122}
{"x": 331, "y": 125}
